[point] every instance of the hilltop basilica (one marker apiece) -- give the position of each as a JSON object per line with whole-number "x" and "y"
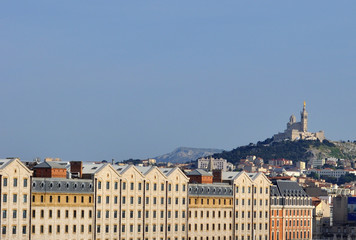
{"x": 299, "y": 130}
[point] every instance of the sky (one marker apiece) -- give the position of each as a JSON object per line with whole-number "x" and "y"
{"x": 101, "y": 80}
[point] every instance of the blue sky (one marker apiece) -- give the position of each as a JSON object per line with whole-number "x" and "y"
{"x": 94, "y": 80}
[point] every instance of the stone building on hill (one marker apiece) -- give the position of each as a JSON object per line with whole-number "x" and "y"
{"x": 299, "y": 130}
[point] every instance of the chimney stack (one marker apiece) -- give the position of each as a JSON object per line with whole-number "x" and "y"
{"x": 76, "y": 168}
{"x": 217, "y": 175}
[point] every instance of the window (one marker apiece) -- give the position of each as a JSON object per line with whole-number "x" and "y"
{"x": 24, "y": 230}
{"x": 139, "y": 186}
{"x": 15, "y": 182}
{"x": 58, "y": 213}
{"x": 132, "y": 186}
{"x": 25, "y": 198}
{"x": 99, "y": 184}
{"x": 13, "y": 229}
{"x": 14, "y": 198}
{"x": 107, "y": 185}
{"x": 5, "y": 184}
{"x": 3, "y": 230}
{"x": 24, "y": 214}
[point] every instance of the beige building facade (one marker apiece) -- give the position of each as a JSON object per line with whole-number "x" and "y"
{"x": 15, "y": 187}
{"x": 236, "y": 207}
{"x": 62, "y": 209}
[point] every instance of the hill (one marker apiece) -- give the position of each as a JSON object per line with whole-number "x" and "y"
{"x": 302, "y": 150}
{"x": 186, "y": 154}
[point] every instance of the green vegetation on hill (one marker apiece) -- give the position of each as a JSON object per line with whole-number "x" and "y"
{"x": 293, "y": 150}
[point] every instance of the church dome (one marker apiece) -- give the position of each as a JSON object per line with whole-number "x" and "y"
{"x": 292, "y": 119}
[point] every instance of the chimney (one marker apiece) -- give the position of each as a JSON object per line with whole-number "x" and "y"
{"x": 217, "y": 175}
{"x": 76, "y": 169}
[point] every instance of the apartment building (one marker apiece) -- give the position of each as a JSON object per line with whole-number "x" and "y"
{"x": 213, "y": 163}
{"x": 210, "y": 211}
{"x": 291, "y": 212}
{"x": 139, "y": 203}
{"x": 62, "y": 209}
{"x": 15, "y": 192}
{"x": 104, "y": 201}
{"x": 235, "y": 206}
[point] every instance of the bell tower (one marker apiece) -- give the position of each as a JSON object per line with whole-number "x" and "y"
{"x": 304, "y": 119}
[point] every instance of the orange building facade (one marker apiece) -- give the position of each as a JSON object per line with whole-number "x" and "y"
{"x": 50, "y": 170}
{"x": 200, "y": 176}
{"x": 290, "y": 212}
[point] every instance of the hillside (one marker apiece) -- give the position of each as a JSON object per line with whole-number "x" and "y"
{"x": 185, "y": 154}
{"x": 301, "y": 150}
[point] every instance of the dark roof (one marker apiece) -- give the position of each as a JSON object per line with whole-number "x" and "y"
{"x": 315, "y": 191}
{"x": 50, "y": 165}
{"x": 290, "y": 188}
{"x": 210, "y": 190}
{"x": 274, "y": 191}
{"x": 59, "y": 185}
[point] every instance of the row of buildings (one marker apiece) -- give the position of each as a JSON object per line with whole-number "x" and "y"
{"x": 104, "y": 201}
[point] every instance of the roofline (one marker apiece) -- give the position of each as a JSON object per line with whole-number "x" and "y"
{"x": 240, "y": 174}
{"x": 128, "y": 167}
{"x": 18, "y": 160}
{"x": 175, "y": 169}
{"x": 155, "y": 167}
